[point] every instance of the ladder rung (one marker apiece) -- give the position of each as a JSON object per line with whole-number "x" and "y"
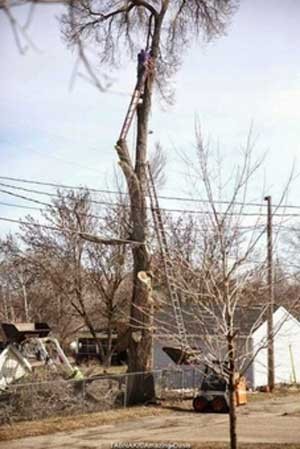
{"x": 130, "y": 112}
{"x": 168, "y": 268}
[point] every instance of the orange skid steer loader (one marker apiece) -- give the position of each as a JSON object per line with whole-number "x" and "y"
{"x": 213, "y": 395}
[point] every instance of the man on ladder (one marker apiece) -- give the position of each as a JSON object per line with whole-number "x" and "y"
{"x": 144, "y": 59}
{"x": 145, "y": 67}
{"x": 144, "y": 64}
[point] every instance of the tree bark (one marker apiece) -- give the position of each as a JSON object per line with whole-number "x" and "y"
{"x": 232, "y": 388}
{"x": 140, "y": 386}
{"x": 140, "y": 341}
{"x": 109, "y": 349}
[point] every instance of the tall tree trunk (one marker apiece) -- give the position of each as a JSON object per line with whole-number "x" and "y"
{"x": 140, "y": 342}
{"x": 232, "y": 389}
{"x": 10, "y": 304}
{"x": 109, "y": 349}
{"x": 141, "y": 386}
{"x": 81, "y": 309}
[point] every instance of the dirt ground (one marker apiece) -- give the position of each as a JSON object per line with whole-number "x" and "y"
{"x": 272, "y": 423}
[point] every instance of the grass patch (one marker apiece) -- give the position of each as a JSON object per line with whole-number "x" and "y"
{"x": 69, "y": 423}
{"x": 280, "y": 392}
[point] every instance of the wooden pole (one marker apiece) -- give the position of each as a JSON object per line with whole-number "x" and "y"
{"x": 270, "y": 330}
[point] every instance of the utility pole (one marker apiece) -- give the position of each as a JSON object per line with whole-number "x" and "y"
{"x": 271, "y": 368}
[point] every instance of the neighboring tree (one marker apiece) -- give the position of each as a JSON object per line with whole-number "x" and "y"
{"x": 107, "y": 271}
{"x": 75, "y": 282}
{"x": 7, "y": 310}
{"x": 218, "y": 278}
{"x": 16, "y": 280}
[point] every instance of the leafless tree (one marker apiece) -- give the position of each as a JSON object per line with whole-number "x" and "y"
{"x": 217, "y": 282}
{"x": 74, "y": 281}
{"x": 165, "y": 28}
{"x": 17, "y": 277}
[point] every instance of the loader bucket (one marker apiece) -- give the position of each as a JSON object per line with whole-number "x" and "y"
{"x": 18, "y": 332}
{"x": 176, "y": 354}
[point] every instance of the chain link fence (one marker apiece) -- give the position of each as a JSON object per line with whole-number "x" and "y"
{"x": 39, "y": 400}
{"x": 181, "y": 383}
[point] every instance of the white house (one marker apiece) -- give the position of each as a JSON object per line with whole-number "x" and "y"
{"x": 286, "y": 350}
{"x": 252, "y": 342}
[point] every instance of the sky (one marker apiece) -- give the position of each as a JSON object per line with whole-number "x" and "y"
{"x": 49, "y": 132}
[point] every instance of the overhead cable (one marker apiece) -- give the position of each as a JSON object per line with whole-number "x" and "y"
{"x": 164, "y": 197}
{"x": 87, "y": 236}
{"x": 165, "y": 209}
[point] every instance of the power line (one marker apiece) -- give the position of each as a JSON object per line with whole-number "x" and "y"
{"x": 164, "y": 197}
{"x": 53, "y": 195}
{"x": 85, "y": 235}
{"x": 183, "y": 211}
{"x": 63, "y": 186}
{"x": 26, "y": 198}
{"x": 253, "y": 228}
{"x": 196, "y": 228}
{"x": 2, "y": 203}
{"x": 16, "y": 195}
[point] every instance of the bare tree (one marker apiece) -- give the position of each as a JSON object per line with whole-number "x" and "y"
{"x": 215, "y": 284}
{"x": 84, "y": 277}
{"x": 19, "y": 279}
{"x": 164, "y": 28}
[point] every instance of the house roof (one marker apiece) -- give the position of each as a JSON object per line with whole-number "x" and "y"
{"x": 280, "y": 316}
{"x": 209, "y": 320}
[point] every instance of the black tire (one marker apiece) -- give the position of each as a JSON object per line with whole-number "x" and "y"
{"x": 200, "y": 404}
{"x": 219, "y": 405}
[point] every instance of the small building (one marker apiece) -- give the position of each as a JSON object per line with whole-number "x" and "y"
{"x": 251, "y": 342}
{"x": 286, "y": 350}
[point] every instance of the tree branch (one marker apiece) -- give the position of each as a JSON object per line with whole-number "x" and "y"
{"x": 95, "y": 239}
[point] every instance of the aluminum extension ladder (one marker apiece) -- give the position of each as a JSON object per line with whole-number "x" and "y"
{"x": 138, "y": 90}
{"x": 164, "y": 250}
